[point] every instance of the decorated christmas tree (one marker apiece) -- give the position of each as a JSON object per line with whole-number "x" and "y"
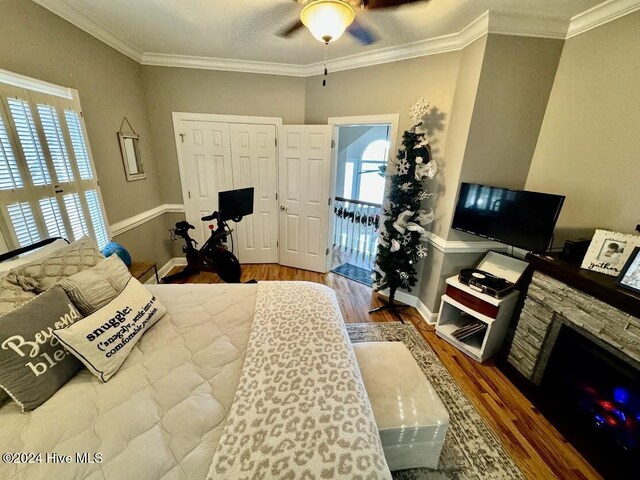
{"x": 400, "y": 246}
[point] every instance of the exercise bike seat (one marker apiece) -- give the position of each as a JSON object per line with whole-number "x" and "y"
{"x": 184, "y": 225}
{"x": 208, "y": 218}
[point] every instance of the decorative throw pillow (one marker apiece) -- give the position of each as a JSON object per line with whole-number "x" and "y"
{"x": 33, "y": 363}
{"x": 43, "y": 273}
{"x": 103, "y": 340}
{"x": 93, "y": 288}
{"x": 12, "y": 296}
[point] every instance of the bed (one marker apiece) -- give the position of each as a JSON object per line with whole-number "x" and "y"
{"x": 235, "y": 381}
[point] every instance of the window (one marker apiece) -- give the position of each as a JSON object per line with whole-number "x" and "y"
{"x": 371, "y": 184}
{"x": 47, "y": 182}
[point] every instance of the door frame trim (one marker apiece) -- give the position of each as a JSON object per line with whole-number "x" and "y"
{"x": 212, "y": 117}
{"x": 392, "y": 119}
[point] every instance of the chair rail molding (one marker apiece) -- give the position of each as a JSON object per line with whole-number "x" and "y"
{"x": 130, "y": 223}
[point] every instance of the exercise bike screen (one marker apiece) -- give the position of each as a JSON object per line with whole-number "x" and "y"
{"x": 235, "y": 203}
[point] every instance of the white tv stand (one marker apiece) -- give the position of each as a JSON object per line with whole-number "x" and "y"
{"x": 461, "y": 302}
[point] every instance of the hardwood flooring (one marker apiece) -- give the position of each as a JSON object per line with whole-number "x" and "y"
{"x": 537, "y": 447}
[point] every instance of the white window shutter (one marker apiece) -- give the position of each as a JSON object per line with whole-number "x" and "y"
{"x": 52, "y": 217}
{"x": 55, "y": 140}
{"x": 95, "y": 213}
{"x": 76, "y": 215}
{"x": 9, "y": 174}
{"x": 79, "y": 146}
{"x": 24, "y": 225}
{"x": 28, "y": 135}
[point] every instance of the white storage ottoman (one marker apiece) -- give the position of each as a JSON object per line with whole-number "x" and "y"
{"x": 411, "y": 418}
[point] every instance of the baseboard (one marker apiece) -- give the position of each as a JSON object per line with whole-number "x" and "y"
{"x": 429, "y": 317}
{"x": 166, "y": 268}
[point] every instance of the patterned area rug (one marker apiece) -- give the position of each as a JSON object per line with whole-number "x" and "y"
{"x": 471, "y": 450}
{"x": 355, "y": 273}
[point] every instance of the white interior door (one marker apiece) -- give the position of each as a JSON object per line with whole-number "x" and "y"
{"x": 207, "y": 169}
{"x": 253, "y": 154}
{"x": 304, "y": 187}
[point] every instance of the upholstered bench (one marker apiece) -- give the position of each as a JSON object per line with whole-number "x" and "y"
{"x": 411, "y": 418}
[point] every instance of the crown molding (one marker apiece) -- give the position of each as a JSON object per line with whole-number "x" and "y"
{"x": 601, "y": 14}
{"x": 490, "y": 22}
{"x": 225, "y": 64}
{"x": 432, "y": 46}
{"x": 527, "y": 25}
{"x": 93, "y": 28}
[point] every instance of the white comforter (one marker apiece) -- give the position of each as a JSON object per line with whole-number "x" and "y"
{"x": 162, "y": 414}
{"x": 301, "y": 404}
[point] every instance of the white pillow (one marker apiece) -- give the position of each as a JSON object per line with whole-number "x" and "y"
{"x": 104, "y": 339}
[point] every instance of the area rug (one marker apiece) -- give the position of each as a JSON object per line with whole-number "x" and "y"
{"x": 471, "y": 449}
{"x": 355, "y": 273}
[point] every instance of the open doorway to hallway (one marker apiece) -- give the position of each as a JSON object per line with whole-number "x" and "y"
{"x": 361, "y": 155}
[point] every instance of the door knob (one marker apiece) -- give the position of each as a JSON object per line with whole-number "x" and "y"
{"x": 283, "y": 208}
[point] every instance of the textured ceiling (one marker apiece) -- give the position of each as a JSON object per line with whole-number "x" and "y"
{"x": 244, "y": 29}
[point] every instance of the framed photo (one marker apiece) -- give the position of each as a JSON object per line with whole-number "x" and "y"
{"x": 609, "y": 251}
{"x": 630, "y": 275}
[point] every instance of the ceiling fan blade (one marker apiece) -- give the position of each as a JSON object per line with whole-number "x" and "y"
{"x": 291, "y": 29}
{"x": 378, "y": 4}
{"x": 364, "y": 35}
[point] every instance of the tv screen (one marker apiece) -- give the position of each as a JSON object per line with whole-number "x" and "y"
{"x": 516, "y": 217}
{"x": 233, "y": 204}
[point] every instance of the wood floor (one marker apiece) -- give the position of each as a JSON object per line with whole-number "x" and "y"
{"x": 535, "y": 445}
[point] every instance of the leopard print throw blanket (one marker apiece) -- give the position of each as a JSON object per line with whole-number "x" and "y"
{"x": 301, "y": 410}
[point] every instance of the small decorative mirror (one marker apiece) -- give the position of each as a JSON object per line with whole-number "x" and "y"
{"x": 130, "y": 150}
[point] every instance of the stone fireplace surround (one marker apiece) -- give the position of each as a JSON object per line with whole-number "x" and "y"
{"x": 549, "y": 304}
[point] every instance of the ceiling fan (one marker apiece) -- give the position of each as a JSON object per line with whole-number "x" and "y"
{"x": 328, "y": 19}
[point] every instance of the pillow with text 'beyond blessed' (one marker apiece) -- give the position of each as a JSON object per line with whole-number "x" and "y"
{"x": 33, "y": 363}
{"x": 104, "y": 339}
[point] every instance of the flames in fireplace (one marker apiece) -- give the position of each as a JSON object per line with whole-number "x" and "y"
{"x": 592, "y": 395}
{"x": 616, "y": 413}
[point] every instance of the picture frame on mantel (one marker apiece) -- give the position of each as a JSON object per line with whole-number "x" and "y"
{"x": 629, "y": 277}
{"x": 609, "y": 251}
{"x": 130, "y": 151}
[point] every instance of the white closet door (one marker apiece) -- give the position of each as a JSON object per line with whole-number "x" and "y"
{"x": 253, "y": 153}
{"x": 304, "y": 188}
{"x": 207, "y": 170}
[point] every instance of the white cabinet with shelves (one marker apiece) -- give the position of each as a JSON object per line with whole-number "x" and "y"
{"x": 461, "y": 305}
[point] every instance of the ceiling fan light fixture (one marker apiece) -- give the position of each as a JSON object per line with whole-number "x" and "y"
{"x": 327, "y": 19}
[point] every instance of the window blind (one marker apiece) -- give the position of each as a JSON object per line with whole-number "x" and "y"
{"x": 52, "y": 217}
{"x": 24, "y": 224}
{"x": 55, "y": 142}
{"x": 78, "y": 143}
{"x": 48, "y": 186}
{"x": 29, "y": 141}
{"x": 95, "y": 213}
{"x": 9, "y": 174}
{"x": 76, "y": 215}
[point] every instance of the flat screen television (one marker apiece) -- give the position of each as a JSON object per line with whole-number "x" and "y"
{"x": 235, "y": 204}
{"x": 516, "y": 217}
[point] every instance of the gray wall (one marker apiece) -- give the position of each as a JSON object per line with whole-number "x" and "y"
{"x": 41, "y": 45}
{"x": 588, "y": 145}
{"x": 207, "y": 91}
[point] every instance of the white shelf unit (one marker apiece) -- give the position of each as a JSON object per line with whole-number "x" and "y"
{"x": 455, "y": 313}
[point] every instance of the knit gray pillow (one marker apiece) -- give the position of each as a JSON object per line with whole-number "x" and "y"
{"x": 33, "y": 363}
{"x": 92, "y": 289}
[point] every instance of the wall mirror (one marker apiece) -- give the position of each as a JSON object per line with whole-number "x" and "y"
{"x": 130, "y": 150}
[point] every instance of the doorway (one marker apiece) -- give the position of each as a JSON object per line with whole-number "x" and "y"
{"x": 360, "y": 158}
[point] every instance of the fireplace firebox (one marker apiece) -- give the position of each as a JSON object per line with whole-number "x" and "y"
{"x": 593, "y": 398}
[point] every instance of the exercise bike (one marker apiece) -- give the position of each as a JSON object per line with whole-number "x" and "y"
{"x": 213, "y": 256}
